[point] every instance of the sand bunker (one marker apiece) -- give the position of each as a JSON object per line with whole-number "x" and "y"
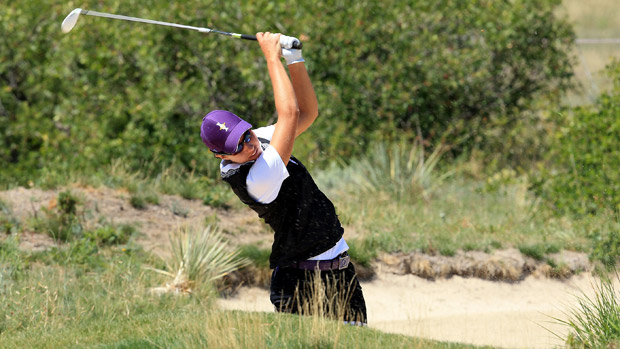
{"x": 466, "y": 310}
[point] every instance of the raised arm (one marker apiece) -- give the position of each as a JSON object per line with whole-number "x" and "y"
{"x": 284, "y": 95}
{"x": 306, "y": 97}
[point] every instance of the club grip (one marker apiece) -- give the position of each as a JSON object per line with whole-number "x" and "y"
{"x": 295, "y": 43}
{"x": 248, "y": 37}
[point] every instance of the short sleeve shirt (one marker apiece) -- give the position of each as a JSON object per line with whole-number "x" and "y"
{"x": 265, "y": 179}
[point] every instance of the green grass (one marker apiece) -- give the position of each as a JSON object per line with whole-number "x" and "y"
{"x": 196, "y": 327}
{"x": 145, "y": 185}
{"x": 9, "y": 224}
{"x": 458, "y": 215}
{"x": 47, "y": 304}
{"x": 595, "y": 323}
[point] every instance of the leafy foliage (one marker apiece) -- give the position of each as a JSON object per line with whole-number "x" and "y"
{"x": 112, "y": 89}
{"x": 8, "y": 223}
{"x": 583, "y": 177}
{"x": 62, "y": 221}
{"x": 111, "y": 235}
{"x": 606, "y": 246}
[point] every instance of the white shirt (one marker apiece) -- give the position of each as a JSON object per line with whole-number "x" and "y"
{"x": 265, "y": 179}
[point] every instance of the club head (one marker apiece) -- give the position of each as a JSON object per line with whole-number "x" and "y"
{"x": 70, "y": 21}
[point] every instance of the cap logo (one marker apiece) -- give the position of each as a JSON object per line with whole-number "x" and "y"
{"x": 222, "y": 126}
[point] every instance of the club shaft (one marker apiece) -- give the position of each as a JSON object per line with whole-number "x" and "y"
{"x": 167, "y": 24}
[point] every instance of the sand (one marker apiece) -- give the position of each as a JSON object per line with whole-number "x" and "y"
{"x": 466, "y": 310}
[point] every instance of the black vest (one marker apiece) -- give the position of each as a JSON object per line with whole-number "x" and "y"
{"x": 303, "y": 218}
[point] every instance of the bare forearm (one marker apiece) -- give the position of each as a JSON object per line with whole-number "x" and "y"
{"x": 306, "y": 96}
{"x": 285, "y": 132}
{"x": 283, "y": 91}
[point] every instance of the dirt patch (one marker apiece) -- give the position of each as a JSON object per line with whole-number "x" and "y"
{"x": 154, "y": 222}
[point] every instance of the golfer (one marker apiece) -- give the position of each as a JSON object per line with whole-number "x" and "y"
{"x": 258, "y": 165}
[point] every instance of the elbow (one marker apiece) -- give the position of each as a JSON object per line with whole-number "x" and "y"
{"x": 315, "y": 113}
{"x": 291, "y": 112}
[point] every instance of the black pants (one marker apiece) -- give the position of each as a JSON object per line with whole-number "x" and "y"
{"x": 338, "y": 293}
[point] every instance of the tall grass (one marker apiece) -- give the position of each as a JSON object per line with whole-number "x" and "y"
{"x": 441, "y": 209}
{"x": 44, "y": 304}
{"x": 596, "y": 321}
{"x": 397, "y": 170}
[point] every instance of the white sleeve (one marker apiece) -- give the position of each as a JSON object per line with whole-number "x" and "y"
{"x": 265, "y": 132}
{"x": 266, "y": 176}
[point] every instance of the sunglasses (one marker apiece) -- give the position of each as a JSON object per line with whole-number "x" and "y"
{"x": 245, "y": 138}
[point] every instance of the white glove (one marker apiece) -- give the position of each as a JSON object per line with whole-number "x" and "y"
{"x": 287, "y": 41}
{"x": 292, "y": 56}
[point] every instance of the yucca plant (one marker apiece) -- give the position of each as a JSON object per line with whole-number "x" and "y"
{"x": 197, "y": 259}
{"x": 399, "y": 170}
{"x": 596, "y": 323}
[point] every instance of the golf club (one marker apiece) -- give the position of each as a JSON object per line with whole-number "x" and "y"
{"x": 287, "y": 42}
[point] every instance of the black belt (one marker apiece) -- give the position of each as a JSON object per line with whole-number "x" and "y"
{"x": 338, "y": 263}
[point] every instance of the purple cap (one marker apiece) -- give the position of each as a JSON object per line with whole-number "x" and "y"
{"x": 221, "y": 131}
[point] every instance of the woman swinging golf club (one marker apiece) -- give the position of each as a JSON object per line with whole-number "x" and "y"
{"x": 258, "y": 165}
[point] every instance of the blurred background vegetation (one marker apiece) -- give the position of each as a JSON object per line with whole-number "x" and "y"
{"x": 490, "y": 83}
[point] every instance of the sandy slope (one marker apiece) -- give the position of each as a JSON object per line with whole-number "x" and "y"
{"x": 468, "y": 310}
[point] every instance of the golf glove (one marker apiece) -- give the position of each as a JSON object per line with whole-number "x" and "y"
{"x": 292, "y": 56}
{"x": 288, "y": 52}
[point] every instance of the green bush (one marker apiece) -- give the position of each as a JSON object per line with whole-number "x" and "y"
{"x": 8, "y": 223}
{"x": 584, "y": 176}
{"x": 63, "y": 222}
{"x": 138, "y": 201}
{"x": 606, "y": 247}
{"x": 111, "y": 235}
{"x": 118, "y": 90}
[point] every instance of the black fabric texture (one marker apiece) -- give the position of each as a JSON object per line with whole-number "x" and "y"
{"x": 303, "y": 219}
{"x": 294, "y": 291}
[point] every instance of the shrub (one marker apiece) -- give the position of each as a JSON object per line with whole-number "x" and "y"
{"x": 606, "y": 247}
{"x": 197, "y": 260}
{"x": 137, "y": 201}
{"x": 140, "y": 97}
{"x": 8, "y": 223}
{"x": 111, "y": 235}
{"x": 62, "y": 222}
{"x": 583, "y": 175}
